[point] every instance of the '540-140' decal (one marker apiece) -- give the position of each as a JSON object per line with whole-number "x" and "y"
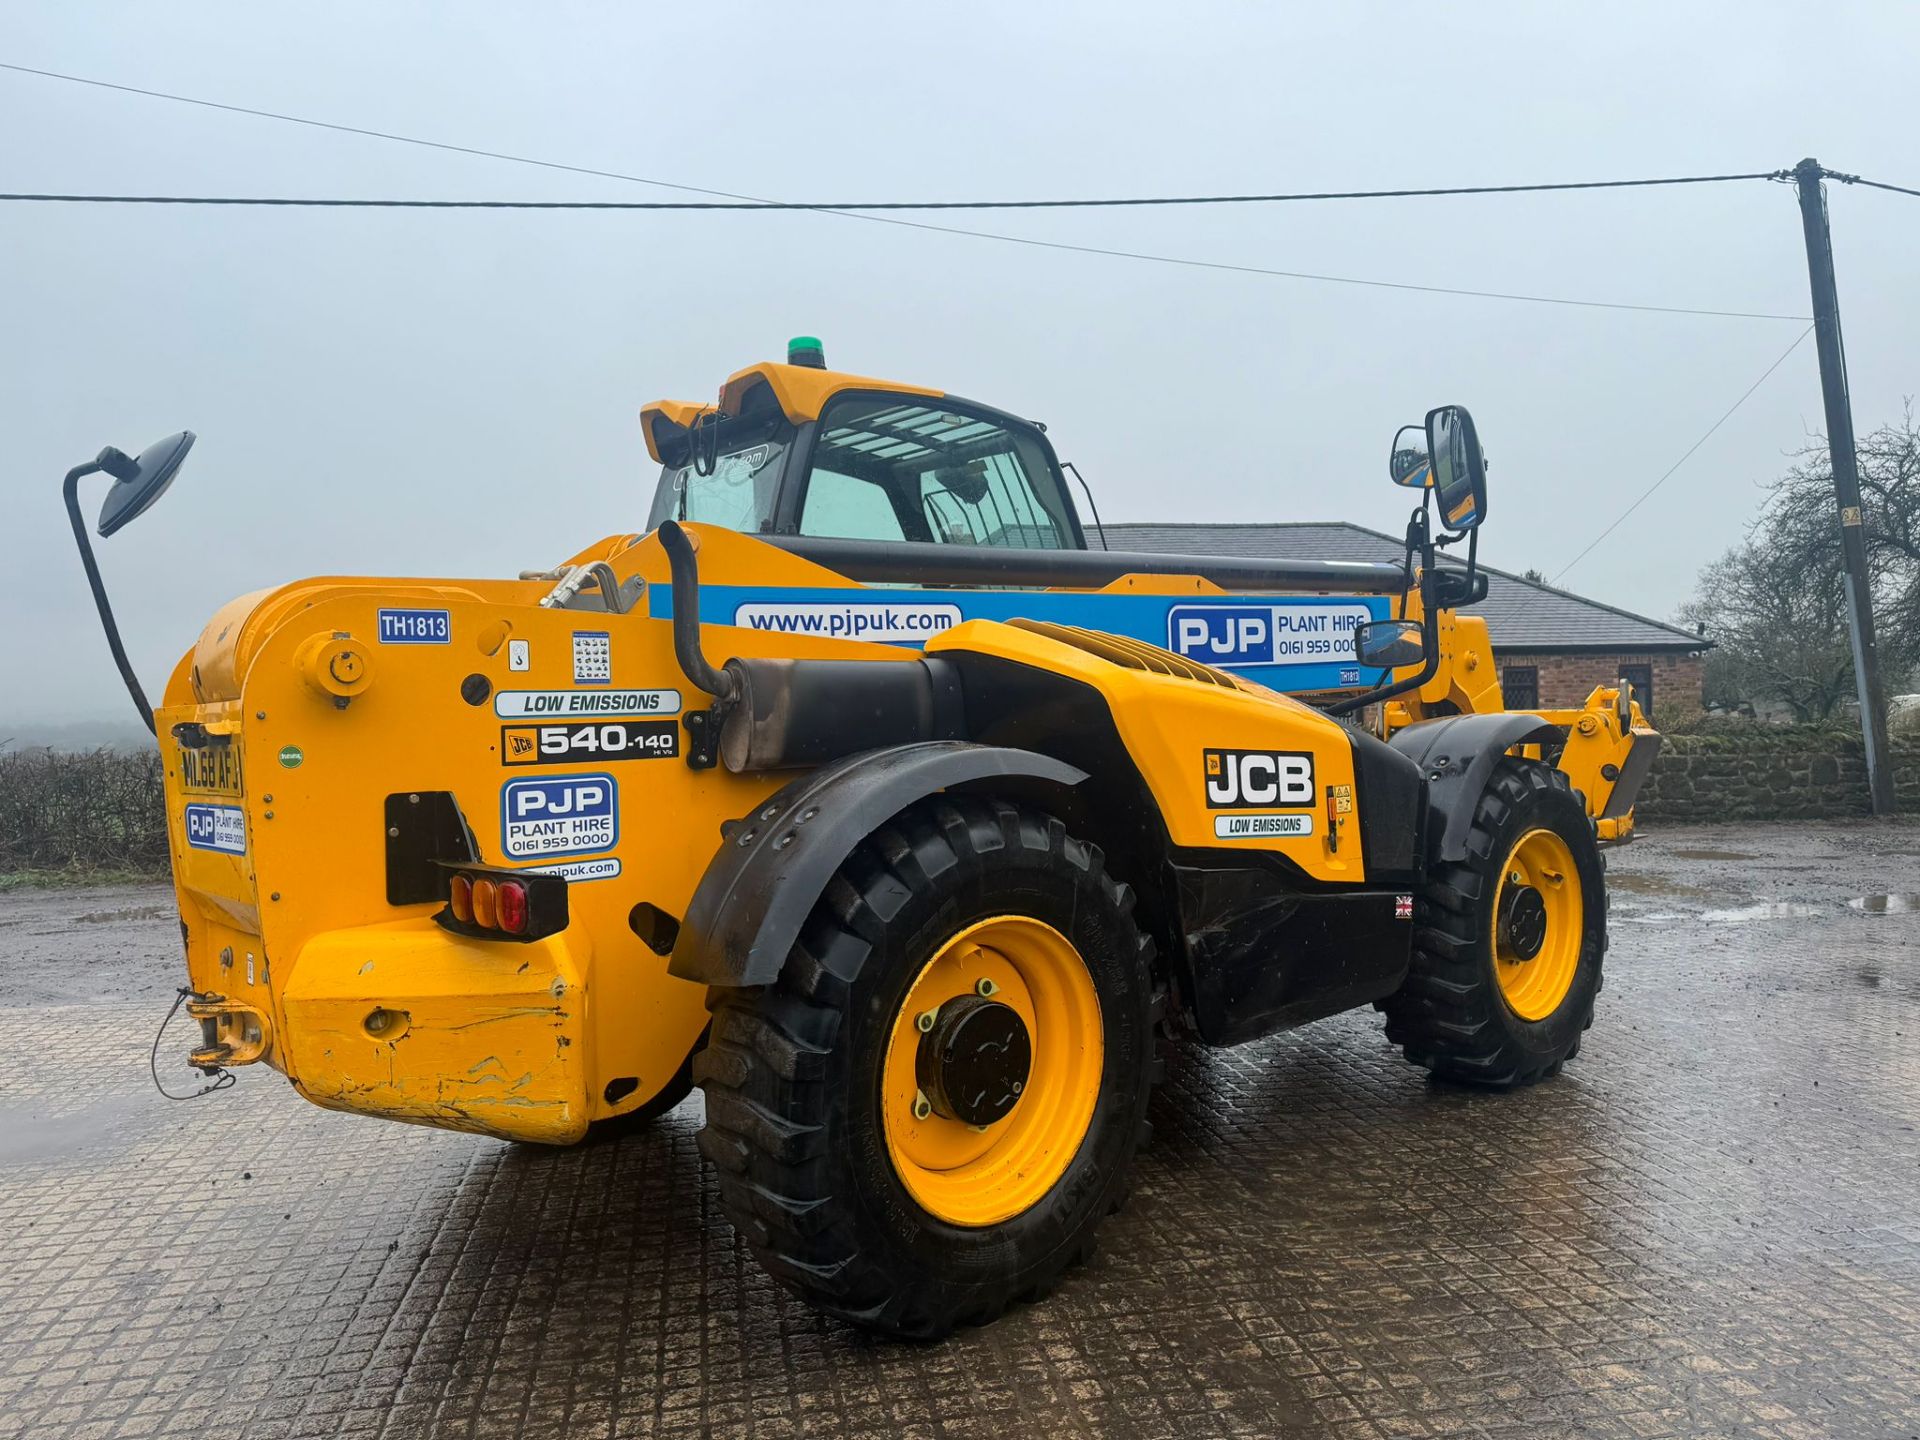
{"x": 573, "y": 744}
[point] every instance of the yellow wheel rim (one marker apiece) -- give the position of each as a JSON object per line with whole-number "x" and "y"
{"x": 976, "y": 1177}
{"x": 1534, "y": 984}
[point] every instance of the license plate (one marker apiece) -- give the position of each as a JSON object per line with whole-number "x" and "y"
{"x": 212, "y": 769}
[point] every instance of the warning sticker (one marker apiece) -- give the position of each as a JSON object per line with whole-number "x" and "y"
{"x": 559, "y": 815}
{"x": 592, "y": 657}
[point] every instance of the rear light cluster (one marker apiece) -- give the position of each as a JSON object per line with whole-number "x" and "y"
{"x": 504, "y": 905}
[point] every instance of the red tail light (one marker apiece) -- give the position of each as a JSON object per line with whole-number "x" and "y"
{"x": 511, "y": 903}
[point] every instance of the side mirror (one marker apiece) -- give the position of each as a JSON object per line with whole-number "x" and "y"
{"x": 140, "y": 480}
{"x": 1459, "y": 469}
{"x": 1389, "y": 644}
{"x": 1410, "y": 463}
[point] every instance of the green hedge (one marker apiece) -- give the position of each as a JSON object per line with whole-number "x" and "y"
{"x": 91, "y": 810}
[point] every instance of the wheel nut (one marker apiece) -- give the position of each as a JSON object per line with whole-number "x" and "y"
{"x": 923, "y": 1022}
{"x": 922, "y": 1107}
{"x": 986, "y": 987}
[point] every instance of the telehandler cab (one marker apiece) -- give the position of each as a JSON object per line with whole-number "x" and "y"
{"x": 861, "y": 793}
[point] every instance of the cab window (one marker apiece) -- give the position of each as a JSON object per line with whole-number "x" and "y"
{"x": 853, "y": 509}
{"x": 893, "y": 468}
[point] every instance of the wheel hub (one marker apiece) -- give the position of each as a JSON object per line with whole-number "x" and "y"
{"x": 973, "y": 1064}
{"x": 1523, "y": 921}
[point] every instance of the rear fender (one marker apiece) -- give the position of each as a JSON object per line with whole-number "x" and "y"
{"x": 1457, "y": 755}
{"x": 774, "y": 862}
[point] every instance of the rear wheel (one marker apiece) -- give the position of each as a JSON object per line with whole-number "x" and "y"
{"x": 926, "y": 1117}
{"x": 1508, "y": 943}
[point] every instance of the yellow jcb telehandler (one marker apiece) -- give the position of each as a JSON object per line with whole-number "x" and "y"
{"x": 860, "y": 792}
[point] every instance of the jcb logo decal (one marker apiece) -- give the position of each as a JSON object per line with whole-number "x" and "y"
{"x": 1258, "y": 779}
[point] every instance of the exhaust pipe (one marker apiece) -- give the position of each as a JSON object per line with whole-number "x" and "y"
{"x": 722, "y": 684}
{"x": 776, "y": 714}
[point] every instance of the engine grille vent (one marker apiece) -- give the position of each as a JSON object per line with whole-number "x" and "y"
{"x": 1133, "y": 654}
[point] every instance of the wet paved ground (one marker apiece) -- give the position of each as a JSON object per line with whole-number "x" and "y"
{"x": 1710, "y": 1225}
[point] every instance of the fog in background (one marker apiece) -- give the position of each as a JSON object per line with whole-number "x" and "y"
{"x": 456, "y": 393}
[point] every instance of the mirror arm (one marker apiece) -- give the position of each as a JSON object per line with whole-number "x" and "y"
{"x": 1092, "y": 505}
{"x": 71, "y": 492}
{"x": 1429, "y": 638}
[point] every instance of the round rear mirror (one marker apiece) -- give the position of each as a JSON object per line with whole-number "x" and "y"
{"x": 141, "y": 480}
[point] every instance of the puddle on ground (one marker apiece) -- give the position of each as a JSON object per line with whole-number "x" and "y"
{"x": 28, "y": 1136}
{"x": 1885, "y": 904}
{"x": 134, "y": 912}
{"x": 1711, "y": 855}
{"x": 1655, "y": 885}
{"x": 1766, "y": 910}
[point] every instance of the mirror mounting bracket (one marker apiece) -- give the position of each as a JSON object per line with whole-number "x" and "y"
{"x": 138, "y": 482}
{"x": 71, "y": 493}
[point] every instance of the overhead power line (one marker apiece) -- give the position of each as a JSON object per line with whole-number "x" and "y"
{"x": 619, "y": 205}
{"x": 1872, "y": 184}
{"x": 1567, "y": 569}
{"x": 861, "y": 206}
{"x": 757, "y": 202}
{"x": 748, "y": 202}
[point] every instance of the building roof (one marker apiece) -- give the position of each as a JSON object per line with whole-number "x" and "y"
{"x": 1521, "y": 614}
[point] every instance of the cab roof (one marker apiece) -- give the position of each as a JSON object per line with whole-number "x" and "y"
{"x": 801, "y": 392}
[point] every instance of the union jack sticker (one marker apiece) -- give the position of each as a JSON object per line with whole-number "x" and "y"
{"x": 1403, "y": 907}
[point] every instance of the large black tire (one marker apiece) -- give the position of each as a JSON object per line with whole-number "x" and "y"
{"x": 793, "y": 1072}
{"x": 1452, "y": 1016}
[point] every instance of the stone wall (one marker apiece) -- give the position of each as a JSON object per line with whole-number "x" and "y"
{"x": 1770, "y": 775}
{"x": 1567, "y": 680}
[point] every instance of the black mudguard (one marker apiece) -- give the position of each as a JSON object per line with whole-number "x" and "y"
{"x": 1457, "y": 755}
{"x": 773, "y": 864}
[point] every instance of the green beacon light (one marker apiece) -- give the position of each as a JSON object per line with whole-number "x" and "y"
{"x": 808, "y": 351}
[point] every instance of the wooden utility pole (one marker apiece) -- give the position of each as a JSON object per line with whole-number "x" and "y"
{"x": 1807, "y": 176}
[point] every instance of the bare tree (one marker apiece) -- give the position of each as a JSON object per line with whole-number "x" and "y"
{"x": 1776, "y": 637}
{"x": 1800, "y": 522}
{"x": 1774, "y": 606}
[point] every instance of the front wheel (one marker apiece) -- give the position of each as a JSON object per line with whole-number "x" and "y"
{"x": 1508, "y": 943}
{"x": 926, "y": 1117}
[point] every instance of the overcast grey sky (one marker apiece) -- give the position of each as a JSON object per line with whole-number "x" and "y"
{"x": 456, "y": 394}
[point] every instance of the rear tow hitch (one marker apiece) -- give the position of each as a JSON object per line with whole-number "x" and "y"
{"x": 231, "y": 1034}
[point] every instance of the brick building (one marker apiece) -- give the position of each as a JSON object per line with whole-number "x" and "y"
{"x": 1551, "y": 647}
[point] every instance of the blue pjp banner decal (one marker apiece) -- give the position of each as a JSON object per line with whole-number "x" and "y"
{"x": 1293, "y": 643}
